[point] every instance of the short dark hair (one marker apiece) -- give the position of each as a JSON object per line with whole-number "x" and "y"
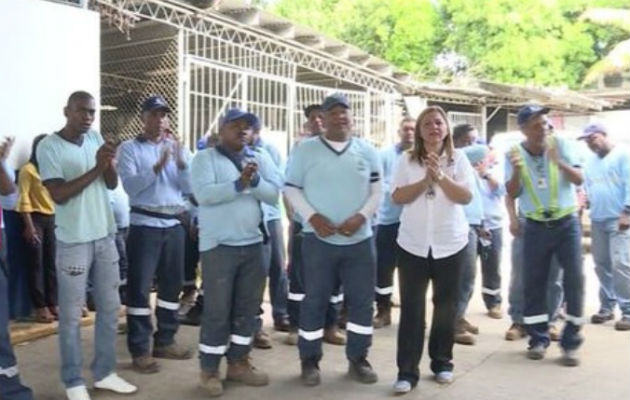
{"x": 462, "y": 129}
{"x": 407, "y": 118}
{"x": 313, "y": 107}
{"x": 79, "y": 95}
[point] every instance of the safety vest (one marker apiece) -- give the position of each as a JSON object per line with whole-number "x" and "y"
{"x": 541, "y": 213}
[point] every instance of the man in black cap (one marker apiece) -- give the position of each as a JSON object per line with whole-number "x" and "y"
{"x": 333, "y": 183}
{"x": 154, "y": 169}
{"x": 542, "y": 173}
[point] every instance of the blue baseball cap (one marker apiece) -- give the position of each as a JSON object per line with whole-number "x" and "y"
{"x": 476, "y": 152}
{"x": 528, "y": 111}
{"x": 593, "y": 128}
{"x": 236, "y": 113}
{"x": 336, "y": 99}
{"x": 155, "y": 103}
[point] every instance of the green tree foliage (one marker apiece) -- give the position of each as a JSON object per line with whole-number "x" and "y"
{"x": 541, "y": 42}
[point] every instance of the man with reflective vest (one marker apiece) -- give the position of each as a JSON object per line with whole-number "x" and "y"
{"x": 542, "y": 174}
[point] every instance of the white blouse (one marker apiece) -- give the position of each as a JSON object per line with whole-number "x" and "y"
{"x": 432, "y": 221}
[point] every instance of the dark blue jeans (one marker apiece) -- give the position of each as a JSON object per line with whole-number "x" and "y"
{"x": 561, "y": 238}
{"x": 490, "y": 256}
{"x": 233, "y": 281}
{"x": 296, "y": 283}
{"x": 153, "y": 252}
{"x": 386, "y": 260}
{"x": 274, "y": 263}
{"x": 324, "y": 266}
{"x": 10, "y": 386}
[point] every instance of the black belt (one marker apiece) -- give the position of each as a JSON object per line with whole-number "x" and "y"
{"x": 551, "y": 223}
{"x": 155, "y": 214}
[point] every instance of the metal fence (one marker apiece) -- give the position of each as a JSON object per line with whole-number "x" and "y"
{"x": 201, "y": 76}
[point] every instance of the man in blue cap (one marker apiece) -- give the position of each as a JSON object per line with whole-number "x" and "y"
{"x": 542, "y": 173}
{"x": 230, "y": 181}
{"x": 607, "y": 185}
{"x": 334, "y": 183}
{"x": 154, "y": 170}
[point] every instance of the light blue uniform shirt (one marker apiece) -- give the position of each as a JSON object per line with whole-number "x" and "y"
{"x": 474, "y": 209}
{"x": 120, "y": 206}
{"x": 607, "y": 184}
{"x": 336, "y": 184}
{"x": 538, "y": 167}
{"x": 492, "y": 201}
{"x": 388, "y": 212}
{"x": 228, "y": 215}
{"x": 136, "y": 159}
{"x": 270, "y": 212}
{"x": 87, "y": 216}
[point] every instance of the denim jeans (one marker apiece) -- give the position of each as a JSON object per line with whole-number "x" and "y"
{"x": 275, "y": 264}
{"x": 233, "y": 281}
{"x": 562, "y": 238}
{"x": 123, "y": 262}
{"x": 76, "y": 262}
{"x": 324, "y": 266}
{"x": 611, "y": 253}
{"x": 386, "y": 261}
{"x": 153, "y": 252}
{"x": 414, "y": 274}
{"x": 467, "y": 273}
{"x": 555, "y": 293}
{"x": 490, "y": 256}
{"x": 296, "y": 283}
{"x": 10, "y": 386}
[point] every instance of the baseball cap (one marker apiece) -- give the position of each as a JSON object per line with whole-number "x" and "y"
{"x": 528, "y": 111}
{"x": 593, "y": 128}
{"x": 236, "y": 113}
{"x": 476, "y": 152}
{"x": 336, "y": 99}
{"x": 155, "y": 103}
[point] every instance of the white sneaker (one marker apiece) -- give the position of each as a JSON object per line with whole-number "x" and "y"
{"x": 444, "y": 377}
{"x": 116, "y": 384}
{"x": 77, "y": 393}
{"x": 401, "y": 387}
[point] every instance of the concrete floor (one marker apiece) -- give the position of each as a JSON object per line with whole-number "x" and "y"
{"x": 492, "y": 369}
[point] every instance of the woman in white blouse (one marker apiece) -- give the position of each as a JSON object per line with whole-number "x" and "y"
{"x": 432, "y": 183}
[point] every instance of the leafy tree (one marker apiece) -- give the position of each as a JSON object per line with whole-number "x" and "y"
{"x": 541, "y": 42}
{"x": 618, "y": 58}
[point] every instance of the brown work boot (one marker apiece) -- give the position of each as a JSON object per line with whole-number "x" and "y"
{"x": 173, "y": 351}
{"x": 383, "y": 316}
{"x": 461, "y": 335}
{"x": 262, "y": 340}
{"x": 495, "y": 312}
{"x": 243, "y": 371}
{"x": 211, "y": 383}
{"x": 292, "y": 337}
{"x": 623, "y": 324}
{"x": 516, "y": 331}
{"x": 333, "y": 336}
{"x": 145, "y": 364}
{"x": 468, "y": 327}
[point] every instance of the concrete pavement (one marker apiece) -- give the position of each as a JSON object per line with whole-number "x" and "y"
{"x": 491, "y": 370}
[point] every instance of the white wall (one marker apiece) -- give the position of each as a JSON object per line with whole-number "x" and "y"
{"x": 48, "y": 51}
